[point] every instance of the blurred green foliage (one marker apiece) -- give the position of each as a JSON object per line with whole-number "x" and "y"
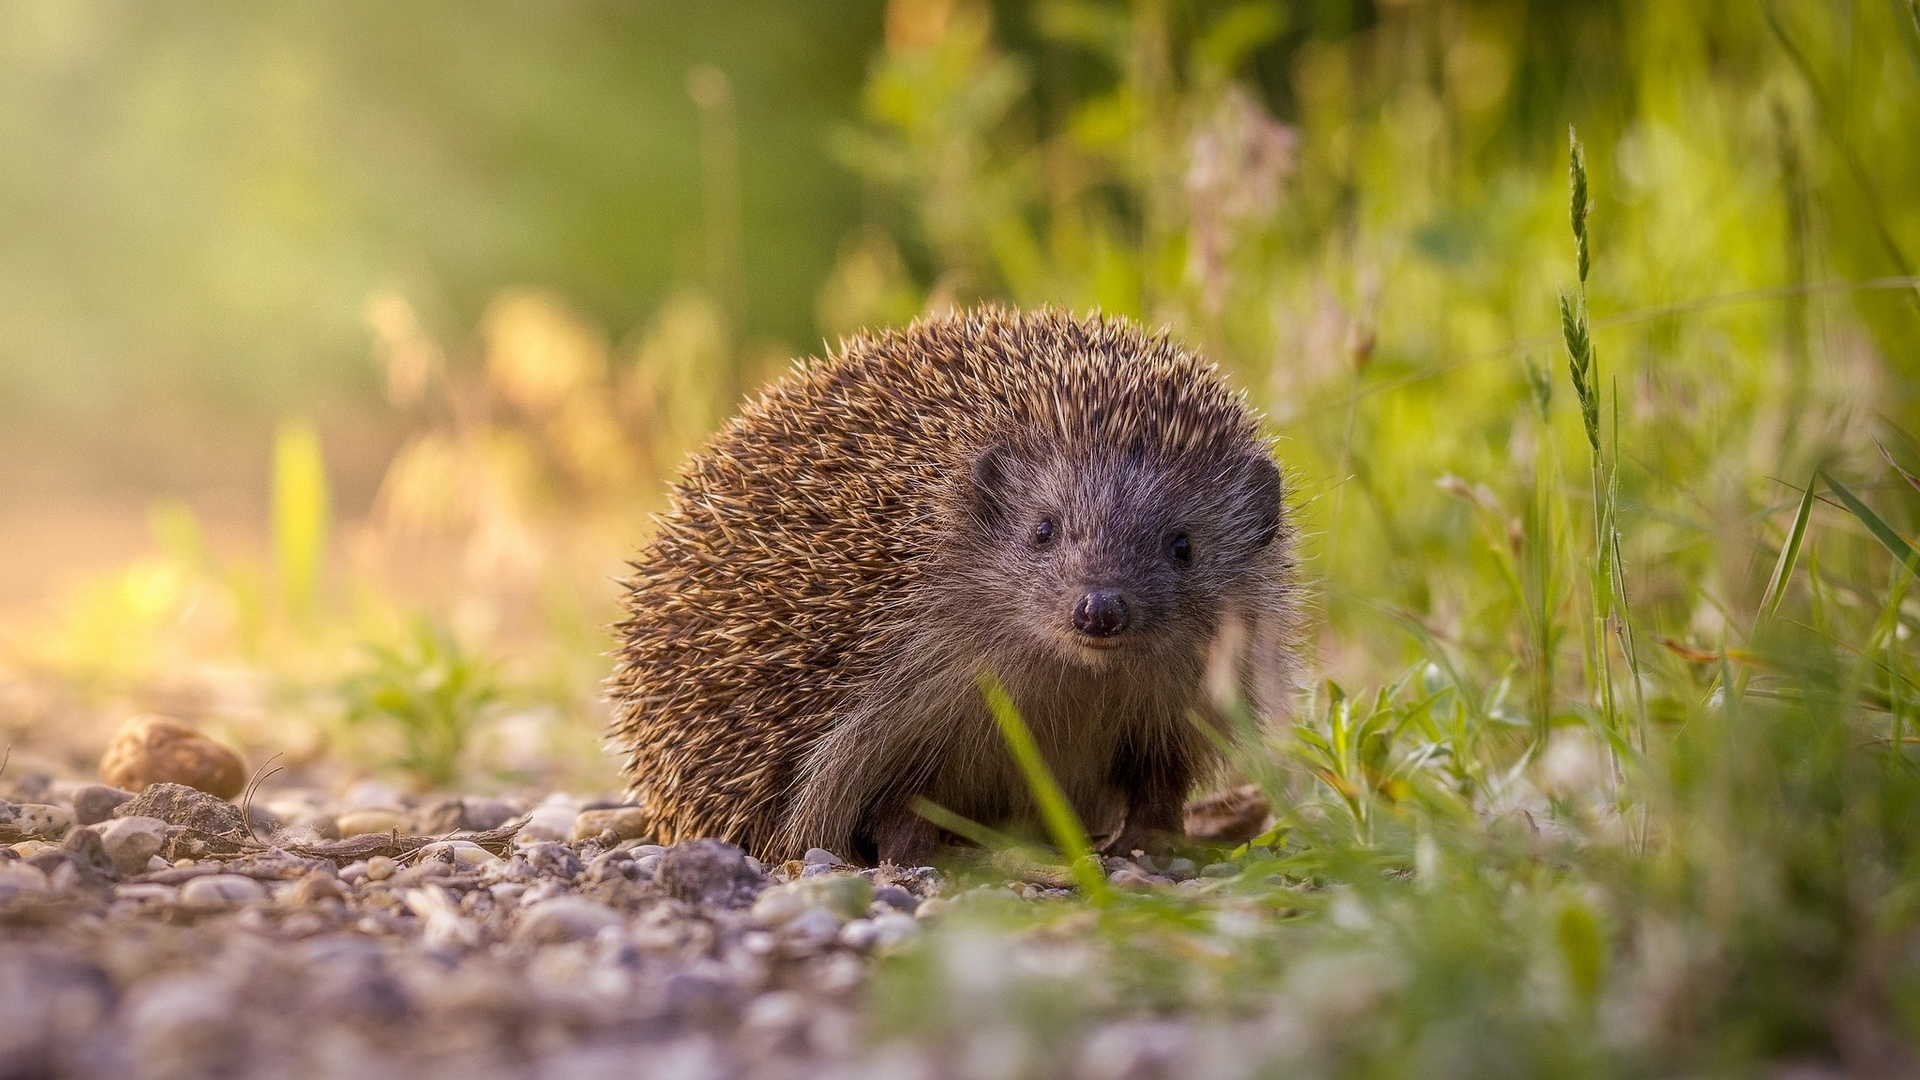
{"x": 197, "y": 199}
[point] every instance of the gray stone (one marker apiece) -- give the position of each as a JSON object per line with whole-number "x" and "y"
{"x": 709, "y": 872}
{"x": 85, "y": 847}
{"x": 891, "y": 930}
{"x": 564, "y": 919}
{"x": 177, "y": 804}
{"x": 896, "y": 897}
{"x": 551, "y": 860}
{"x": 20, "y": 877}
{"x": 94, "y": 803}
{"x": 221, "y": 890}
{"x": 131, "y": 842}
{"x": 485, "y": 814}
{"x": 820, "y": 857}
{"x": 815, "y": 926}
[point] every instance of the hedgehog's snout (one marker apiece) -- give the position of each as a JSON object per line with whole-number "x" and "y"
{"x": 1101, "y": 613}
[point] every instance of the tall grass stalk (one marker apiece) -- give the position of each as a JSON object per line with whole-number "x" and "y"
{"x": 1056, "y": 813}
{"x": 1606, "y": 579}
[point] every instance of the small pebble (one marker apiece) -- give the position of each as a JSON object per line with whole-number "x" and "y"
{"x": 148, "y": 892}
{"x": 132, "y": 842}
{"x": 43, "y": 820}
{"x": 221, "y": 890}
{"x": 891, "y": 930}
{"x": 812, "y": 926}
{"x": 551, "y": 820}
{"x": 380, "y": 868}
{"x": 858, "y": 934}
{"x": 820, "y": 857}
{"x": 94, "y": 803}
{"x": 896, "y": 897}
{"x": 709, "y": 872}
{"x": 563, "y": 919}
{"x": 778, "y": 906}
{"x": 372, "y": 819}
{"x": 625, "y": 823}
{"x": 486, "y": 814}
{"x": 464, "y": 854}
{"x": 1219, "y": 870}
{"x": 1180, "y": 869}
{"x": 19, "y": 877}
{"x": 354, "y": 872}
{"x": 552, "y": 860}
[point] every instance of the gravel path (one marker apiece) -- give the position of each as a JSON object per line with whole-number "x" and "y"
{"x": 160, "y": 936}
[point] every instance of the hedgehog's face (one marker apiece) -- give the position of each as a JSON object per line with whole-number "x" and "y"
{"x": 1112, "y": 554}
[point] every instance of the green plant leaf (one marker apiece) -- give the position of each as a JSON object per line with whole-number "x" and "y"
{"x": 1883, "y": 532}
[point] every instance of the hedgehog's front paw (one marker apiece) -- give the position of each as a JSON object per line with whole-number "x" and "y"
{"x": 904, "y": 838}
{"x": 1148, "y": 840}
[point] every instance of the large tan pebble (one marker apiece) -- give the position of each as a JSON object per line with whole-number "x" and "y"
{"x": 154, "y": 750}
{"x": 625, "y": 822}
{"x": 372, "y": 819}
{"x": 221, "y": 890}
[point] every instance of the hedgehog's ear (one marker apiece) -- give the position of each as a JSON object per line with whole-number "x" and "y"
{"x": 988, "y": 488}
{"x": 1264, "y": 499}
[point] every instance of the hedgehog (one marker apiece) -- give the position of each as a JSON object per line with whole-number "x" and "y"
{"x": 1084, "y": 512}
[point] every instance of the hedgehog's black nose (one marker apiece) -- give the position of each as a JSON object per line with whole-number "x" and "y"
{"x": 1101, "y": 613}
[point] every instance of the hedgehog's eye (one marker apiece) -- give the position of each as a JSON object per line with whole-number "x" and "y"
{"x": 1181, "y": 549}
{"x": 1043, "y": 532}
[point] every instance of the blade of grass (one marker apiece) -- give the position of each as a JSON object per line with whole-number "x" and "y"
{"x": 1055, "y": 812}
{"x": 1789, "y": 555}
{"x": 1883, "y": 532}
{"x": 963, "y": 827}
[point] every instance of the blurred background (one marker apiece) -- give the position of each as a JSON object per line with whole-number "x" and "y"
{"x": 344, "y": 349}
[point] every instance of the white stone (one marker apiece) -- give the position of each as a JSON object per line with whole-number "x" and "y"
{"x": 466, "y": 854}
{"x": 18, "y": 877}
{"x": 221, "y": 890}
{"x": 565, "y": 918}
{"x": 892, "y": 929}
{"x": 41, "y": 819}
{"x": 132, "y": 842}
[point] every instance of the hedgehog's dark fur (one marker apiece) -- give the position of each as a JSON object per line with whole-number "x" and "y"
{"x": 841, "y": 564}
